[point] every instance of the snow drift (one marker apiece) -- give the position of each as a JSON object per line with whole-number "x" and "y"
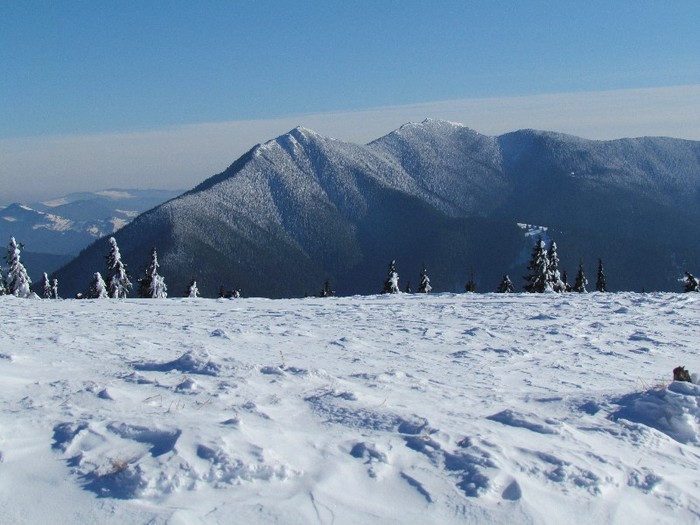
{"x": 371, "y": 410}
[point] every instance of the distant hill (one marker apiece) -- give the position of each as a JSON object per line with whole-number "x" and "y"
{"x": 303, "y": 208}
{"x": 54, "y": 231}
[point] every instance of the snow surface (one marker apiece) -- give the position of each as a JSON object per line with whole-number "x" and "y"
{"x": 363, "y": 410}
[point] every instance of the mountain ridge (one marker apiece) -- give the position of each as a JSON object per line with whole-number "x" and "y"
{"x": 54, "y": 231}
{"x": 302, "y": 207}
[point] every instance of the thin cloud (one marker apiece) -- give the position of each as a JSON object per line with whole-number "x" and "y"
{"x": 181, "y": 157}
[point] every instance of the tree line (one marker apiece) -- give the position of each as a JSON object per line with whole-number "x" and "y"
{"x": 544, "y": 277}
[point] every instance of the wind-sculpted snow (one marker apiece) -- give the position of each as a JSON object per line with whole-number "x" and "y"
{"x": 439, "y": 408}
{"x": 675, "y": 410}
{"x": 189, "y": 362}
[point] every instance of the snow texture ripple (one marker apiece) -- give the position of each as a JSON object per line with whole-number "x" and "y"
{"x": 462, "y": 409}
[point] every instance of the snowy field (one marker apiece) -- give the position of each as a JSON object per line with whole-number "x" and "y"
{"x": 480, "y": 409}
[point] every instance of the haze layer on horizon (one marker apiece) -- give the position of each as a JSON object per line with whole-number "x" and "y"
{"x": 179, "y": 157}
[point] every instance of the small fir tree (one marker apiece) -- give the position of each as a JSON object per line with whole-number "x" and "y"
{"x": 192, "y": 290}
{"x": 391, "y": 284}
{"x": 581, "y": 281}
{"x": 554, "y": 280}
{"x": 98, "y": 288}
{"x": 152, "y": 285}
{"x": 46, "y": 287}
{"x": 327, "y": 290}
{"x": 408, "y": 288}
{"x": 17, "y": 281}
{"x": 54, "y": 288}
{"x": 600, "y": 283}
{"x": 691, "y": 283}
{"x": 565, "y": 280}
{"x": 506, "y": 285}
{"x": 119, "y": 283}
{"x": 470, "y": 287}
{"x": 424, "y": 285}
{"x": 538, "y": 278}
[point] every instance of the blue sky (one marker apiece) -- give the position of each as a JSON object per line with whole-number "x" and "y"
{"x": 93, "y": 68}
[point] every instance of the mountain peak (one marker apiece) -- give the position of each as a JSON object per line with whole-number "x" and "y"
{"x": 303, "y": 208}
{"x": 301, "y": 130}
{"x": 430, "y": 124}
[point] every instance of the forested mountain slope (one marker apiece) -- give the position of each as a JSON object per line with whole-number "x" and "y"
{"x": 303, "y": 208}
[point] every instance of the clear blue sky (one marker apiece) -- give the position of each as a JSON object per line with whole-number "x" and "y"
{"x": 95, "y": 67}
{"x": 86, "y": 66}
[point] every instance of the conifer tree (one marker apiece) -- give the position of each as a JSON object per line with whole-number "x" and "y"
{"x": 581, "y": 281}
{"x": 98, "y": 288}
{"x": 192, "y": 290}
{"x": 54, "y": 288}
{"x": 538, "y": 278}
{"x": 470, "y": 287}
{"x": 565, "y": 280}
{"x": 326, "y": 291}
{"x": 46, "y": 287}
{"x": 17, "y": 281}
{"x": 506, "y": 285}
{"x": 408, "y": 288}
{"x": 424, "y": 285}
{"x": 3, "y": 291}
{"x": 152, "y": 285}
{"x": 554, "y": 280}
{"x": 691, "y": 283}
{"x": 119, "y": 283}
{"x": 600, "y": 283}
{"x": 391, "y": 284}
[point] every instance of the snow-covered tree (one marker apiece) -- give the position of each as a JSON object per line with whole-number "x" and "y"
{"x": 581, "y": 281}
{"x": 45, "y": 287}
{"x": 192, "y": 290}
{"x": 391, "y": 284}
{"x": 327, "y": 290}
{"x": 3, "y": 291}
{"x": 554, "y": 279}
{"x": 152, "y": 285}
{"x": 691, "y": 283}
{"x": 54, "y": 288}
{"x": 17, "y": 281}
{"x": 506, "y": 285}
{"x": 424, "y": 285}
{"x": 98, "y": 288}
{"x": 565, "y": 280}
{"x": 538, "y": 278}
{"x": 600, "y": 283}
{"x": 119, "y": 283}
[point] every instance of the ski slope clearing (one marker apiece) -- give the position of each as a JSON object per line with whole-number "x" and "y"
{"x": 480, "y": 409}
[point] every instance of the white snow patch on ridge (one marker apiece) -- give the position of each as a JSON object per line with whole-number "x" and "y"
{"x": 114, "y": 194}
{"x": 463, "y": 409}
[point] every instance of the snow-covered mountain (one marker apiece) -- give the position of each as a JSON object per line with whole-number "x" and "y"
{"x": 54, "y": 231}
{"x": 302, "y": 208}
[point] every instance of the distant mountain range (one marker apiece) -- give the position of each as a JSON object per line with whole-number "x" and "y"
{"x": 303, "y": 208}
{"x": 53, "y": 232}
